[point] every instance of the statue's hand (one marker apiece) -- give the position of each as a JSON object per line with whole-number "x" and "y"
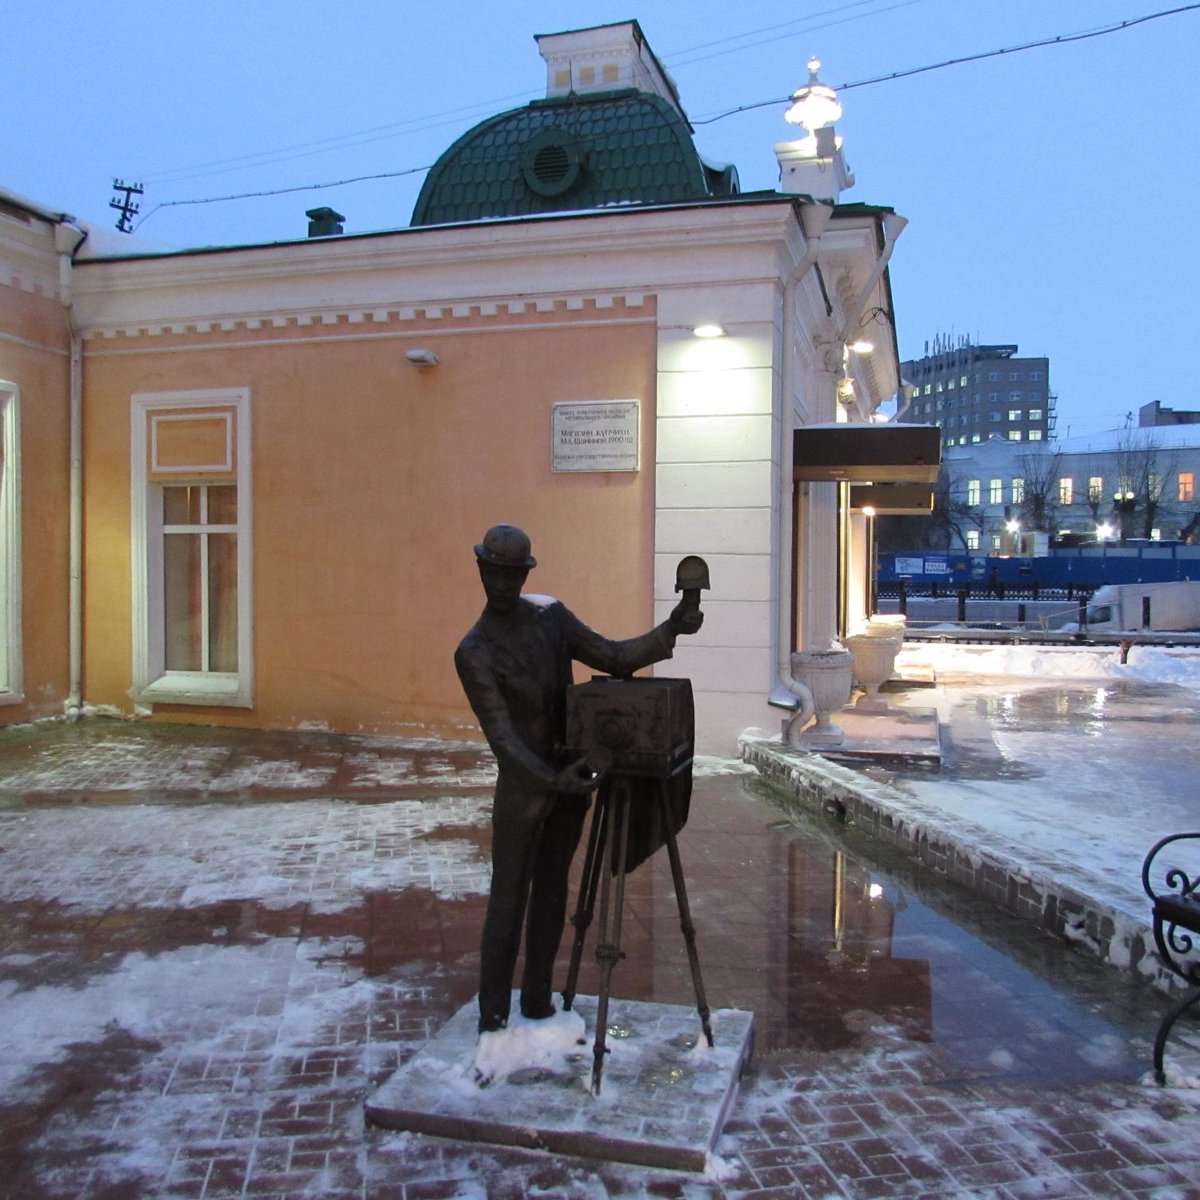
{"x": 577, "y": 779}
{"x": 685, "y": 618}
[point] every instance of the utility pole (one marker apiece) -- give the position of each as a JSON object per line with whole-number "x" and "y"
{"x": 125, "y": 205}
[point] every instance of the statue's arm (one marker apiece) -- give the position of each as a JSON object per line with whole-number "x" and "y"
{"x": 490, "y": 708}
{"x": 617, "y": 657}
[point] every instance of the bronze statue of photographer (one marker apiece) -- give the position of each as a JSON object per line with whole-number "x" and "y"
{"x": 515, "y": 667}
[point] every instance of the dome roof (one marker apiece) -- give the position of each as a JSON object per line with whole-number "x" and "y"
{"x": 571, "y": 152}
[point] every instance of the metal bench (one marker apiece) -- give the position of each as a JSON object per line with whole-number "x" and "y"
{"x": 1176, "y": 913}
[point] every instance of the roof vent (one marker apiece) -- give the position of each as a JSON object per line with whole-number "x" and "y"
{"x": 324, "y": 222}
{"x": 551, "y": 161}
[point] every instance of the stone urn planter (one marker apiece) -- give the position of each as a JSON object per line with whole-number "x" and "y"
{"x": 887, "y": 625}
{"x": 874, "y": 660}
{"x": 828, "y": 675}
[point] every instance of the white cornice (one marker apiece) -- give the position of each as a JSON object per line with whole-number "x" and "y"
{"x": 443, "y": 269}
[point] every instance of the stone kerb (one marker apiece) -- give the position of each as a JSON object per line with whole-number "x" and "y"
{"x": 1035, "y": 893}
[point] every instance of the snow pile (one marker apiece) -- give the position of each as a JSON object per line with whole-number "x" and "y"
{"x": 551, "y": 1045}
{"x": 1145, "y": 664}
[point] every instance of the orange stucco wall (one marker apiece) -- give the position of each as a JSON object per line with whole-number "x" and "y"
{"x": 372, "y": 480}
{"x": 34, "y": 349}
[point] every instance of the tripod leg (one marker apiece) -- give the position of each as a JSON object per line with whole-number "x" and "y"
{"x": 685, "y": 912}
{"x": 608, "y": 953}
{"x": 588, "y": 881}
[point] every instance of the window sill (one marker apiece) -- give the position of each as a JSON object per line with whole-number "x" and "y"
{"x": 217, "y": 691}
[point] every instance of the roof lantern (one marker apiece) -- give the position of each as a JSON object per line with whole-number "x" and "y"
{"x": 813, "y": 165}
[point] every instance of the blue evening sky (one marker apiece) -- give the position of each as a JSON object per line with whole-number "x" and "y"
{"x": 1050, "y": 192}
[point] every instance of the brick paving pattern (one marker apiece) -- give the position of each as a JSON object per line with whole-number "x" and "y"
{"x": 213, "y": 944}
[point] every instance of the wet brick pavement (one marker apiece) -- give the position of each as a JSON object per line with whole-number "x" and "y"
{"x": 214, "y": 943}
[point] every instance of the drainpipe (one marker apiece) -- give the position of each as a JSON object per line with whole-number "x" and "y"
{"x": 790, "y": 693}
{"x": 68, "y": 238}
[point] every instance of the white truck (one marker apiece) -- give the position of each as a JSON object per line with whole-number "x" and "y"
{"x": 1116, "y": 607}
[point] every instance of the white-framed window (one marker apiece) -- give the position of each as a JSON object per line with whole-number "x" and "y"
{"x": 12, "y": 689}
{"x": 995, "y": 491}
{"x": 972, "y": 539}
{"x": 962, "y": 382}
{"x": 1035, "y": 414}
{"x": 995, "y": 541}
{"x": 191, "y": 520}
{"x": 1187, "y": 486}
{"x": 1014, "y": 435}
{"x": 1035, "y": 435}
{"x": 993, "y": 376}
{"x": 1066, "y": 490}
{"x": 1095, "y": 488}
{"x": 974, "y": 438}
{"x": 1018, "y": 491}
{"x": 1014, "y": 414}
{"x": 1016, "y": 397}
{"x": 974, "y": 491}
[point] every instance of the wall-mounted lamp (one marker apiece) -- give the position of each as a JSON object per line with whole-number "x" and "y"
{"x": 862, "y": 346}
{"x": 421, "y": 358}
{"x": 709, "y": 330}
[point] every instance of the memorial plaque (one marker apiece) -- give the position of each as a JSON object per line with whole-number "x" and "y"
{"x": 595, "y": 436}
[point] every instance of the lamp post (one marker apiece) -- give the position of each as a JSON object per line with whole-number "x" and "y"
{"x": 1124, "y": 504}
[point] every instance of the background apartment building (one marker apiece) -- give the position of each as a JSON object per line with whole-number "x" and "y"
{"x": 973, "y": 393}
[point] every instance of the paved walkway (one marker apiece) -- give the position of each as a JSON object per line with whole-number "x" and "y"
{"x": 214, "y": 943}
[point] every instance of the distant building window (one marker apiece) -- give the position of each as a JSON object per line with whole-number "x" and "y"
{"x": 974, "y": 491}
{"x": 962, "y": 381}
{"x": 1014, "y": 375}
{"x": 1154, "y": 487}
{"x": 1035, "y": 414}
{"x": 1035, "y": 435}
{"x": 1066, "y": 490}
{"x": 1018, "y": 491}
{"x": 993, "y": 397}
{"x": 952, "y": 385}
{"x": 1014, "y": 435}
{"x": 1035, "y": 375}
{"x": 993, "y": 376}
{"x": 974, "y": 437}
{"x": 1014, "y": 414}
{"x": 928, "y": 389}
{"x": 1187, "y": 486}
{"x": 996, "y": 491}
{"x": 1095, "y": 489}
{"x": 995, "y": 541}
{"x": 972, "y": 539}
{"x": 1015, "y": 397}
{"x": 938, "y": 386}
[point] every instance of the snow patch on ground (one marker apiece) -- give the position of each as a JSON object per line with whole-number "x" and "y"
{"x": 322, "y": 853}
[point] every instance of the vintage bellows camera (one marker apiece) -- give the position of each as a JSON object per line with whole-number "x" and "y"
{"x": 643, "y": 726}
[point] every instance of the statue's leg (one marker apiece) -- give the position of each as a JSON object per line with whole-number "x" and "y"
{"x": 513, "y": 846}
{"x": 548, "y": 901}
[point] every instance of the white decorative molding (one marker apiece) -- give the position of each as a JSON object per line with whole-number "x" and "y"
{"x": 157, "y": 419}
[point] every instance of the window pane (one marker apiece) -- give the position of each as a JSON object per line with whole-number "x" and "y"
{"x": 181, "y": 600}
{"x": 222, "y": 601}
{"x": 181, "y": 505}
{"x": 222, "y": 505}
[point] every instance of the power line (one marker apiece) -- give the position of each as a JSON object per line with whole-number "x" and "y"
{"x": 1058, "y": 40}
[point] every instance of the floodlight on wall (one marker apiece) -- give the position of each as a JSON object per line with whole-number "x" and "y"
{"x": 710, "y": 329}
{"x": 421, "y": 358}
{"x": 862, "y": 346}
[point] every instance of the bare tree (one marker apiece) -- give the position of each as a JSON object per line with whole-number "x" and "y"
{"x": 1143, "y": 467}
{"x": 1039, "y": 509}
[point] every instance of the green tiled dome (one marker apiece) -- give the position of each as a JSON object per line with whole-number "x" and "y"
{"x": 574, "y": 152}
